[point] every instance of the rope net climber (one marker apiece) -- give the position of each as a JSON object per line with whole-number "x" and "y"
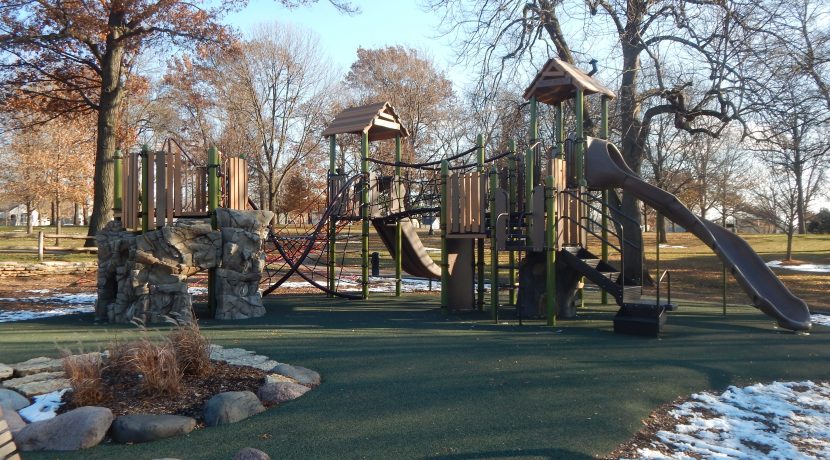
{"x": 297, "y": 252}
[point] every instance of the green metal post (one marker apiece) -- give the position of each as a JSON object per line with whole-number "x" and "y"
{"x": 580, "y": 138}
{"x": 480, "y": 241}
{"x": 530, "y": 162}
{"x": 117, "y": 162}
{"x": 603, "y": 134}
{"x": 657, "y": 254}
{"x": 332, "y": 252}
{"x": 213, "y": 203}
{"x": 723, "y": 286}
{"x": 364, "y": 211}
{"x": 398, "y": 234}
{"x": 494, "y": 253}
{"x": 145, "y": 188}
{"x": 511, "y": 208}
{"x": 559, "y": 131}
{"x": 550, "y": 251}
{"x": 445, "y": 260}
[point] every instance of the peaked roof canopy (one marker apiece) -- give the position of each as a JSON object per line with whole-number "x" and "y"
{"x": 379, "y": 120}
{"x": 558, "y": 82}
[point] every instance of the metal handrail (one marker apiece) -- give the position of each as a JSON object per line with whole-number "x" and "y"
{"x": 620, "y": 213}
{"x": 571, "y": 193}
{"x": 666, "y": 274}
{"x": 622, "y": 265}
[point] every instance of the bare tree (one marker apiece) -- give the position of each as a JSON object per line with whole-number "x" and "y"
{"x": 499, "y": 34}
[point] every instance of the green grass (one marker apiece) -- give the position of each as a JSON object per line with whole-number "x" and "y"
{"x": 404, "y": 380}
{"x": 30, "y": 242}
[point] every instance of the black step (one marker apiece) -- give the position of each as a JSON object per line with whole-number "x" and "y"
{"x": 640, "y": 319}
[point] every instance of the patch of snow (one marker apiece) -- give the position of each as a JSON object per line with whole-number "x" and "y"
{"x": 81, "y": 298}
{"x": 24, "y": 315}
{"x": 668, "y": 246}
{"x": 815, "y": 268}
{"x": 197, "y": 290}
{"x": 38, "y": 291}
{"x": 820, "y": 319}
{"x": 45, "y": 407}
{"x": 780, "y": 420}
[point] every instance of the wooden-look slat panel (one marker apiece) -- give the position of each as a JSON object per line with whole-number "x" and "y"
{"x": 455, "y": 203}
{"x": 151, "y": 188}
{"x": 177, "y": 182}
{"x": 169, "y": 195}
{"x": 161, "y": 182}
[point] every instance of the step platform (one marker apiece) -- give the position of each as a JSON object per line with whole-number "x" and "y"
{"x": 640, "y": 319}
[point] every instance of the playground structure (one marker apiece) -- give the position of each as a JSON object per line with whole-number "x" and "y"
{"x": 538, "y": 209}
{"x": 541, "y": 216}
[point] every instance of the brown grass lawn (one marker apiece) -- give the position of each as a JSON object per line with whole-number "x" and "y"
{"x": 24, "y": 248}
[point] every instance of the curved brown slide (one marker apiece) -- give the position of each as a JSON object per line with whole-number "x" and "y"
{"x": 415, "y": 260}
{"x": 605, "y": 168}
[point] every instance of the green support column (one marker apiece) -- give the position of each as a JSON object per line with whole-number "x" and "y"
{"x": 145, "y": 188}
{"x": 723, "y": 286}
{"x": 213, "y": 203}
{"x": 398, "y": 235}
{"x": 580, "y": 138}
{"x": 530, "y": 162}
{"x": 332, "y": 255}
{"x": 550, "y": 251}
{"x": 511, "y": 208}
{"x": 480, "y": 241}
{"x": 445, "y": 260}
{"x": 657, "y": 251}
{"x": 364, "y": 212}
{"x": 603, "y": 134}
{"x": 117, "y": 161}
{"x": 494, "y": 253}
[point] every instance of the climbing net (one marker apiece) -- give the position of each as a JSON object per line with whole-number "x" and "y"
{"x": 297, "y": 254}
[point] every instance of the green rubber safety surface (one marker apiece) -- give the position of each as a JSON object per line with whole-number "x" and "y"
{"x": 401, "y": 379}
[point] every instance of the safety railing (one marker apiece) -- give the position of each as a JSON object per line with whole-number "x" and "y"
{"x": 666, "y": 274}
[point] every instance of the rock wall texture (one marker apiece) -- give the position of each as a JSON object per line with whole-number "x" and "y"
{"x": 144, "y": 276}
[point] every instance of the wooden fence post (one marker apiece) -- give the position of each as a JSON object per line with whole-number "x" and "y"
{"x": 40, "y": 246}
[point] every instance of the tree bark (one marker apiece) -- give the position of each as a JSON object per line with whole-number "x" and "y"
{"x": 106, "y": 139}
{"x": 30, "y": 212}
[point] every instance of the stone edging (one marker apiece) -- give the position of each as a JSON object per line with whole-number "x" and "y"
{"x": 87, "y": 426}
{"x": 20, "y": 269}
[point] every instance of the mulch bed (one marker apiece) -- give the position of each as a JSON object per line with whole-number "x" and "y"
{"x": 656, "y": 421}
{"x": 125, "y": 395}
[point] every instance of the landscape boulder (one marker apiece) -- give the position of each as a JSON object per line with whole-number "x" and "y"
{"x": 280, "y": 392}
{"x": 249, "y": 453}
{"x": 149, "y": 427}
{"x": 302, "y": 375}
{"x": 12, "y": 400}
{"x": 37, "y": 366}
{"x": 13, "y": 420}
{"x": 80, "y": 428}
{"x": 231, "y": 407}
{"x": 37, "y": 384}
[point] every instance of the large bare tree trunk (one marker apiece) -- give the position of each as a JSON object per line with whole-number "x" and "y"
{"x": 110, "y": 101}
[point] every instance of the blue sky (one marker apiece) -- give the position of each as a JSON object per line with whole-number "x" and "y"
{"x": 380, "y": 23}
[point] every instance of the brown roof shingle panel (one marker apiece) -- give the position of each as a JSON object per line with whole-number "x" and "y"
{"x": 380, "y": 120}
{"x": 558, "y": 81}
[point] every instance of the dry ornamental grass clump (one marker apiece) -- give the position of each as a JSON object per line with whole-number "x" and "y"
{"x": 192, "y": 349}
{"x": 85, "y": 376}
{"x": 157, "y": 365}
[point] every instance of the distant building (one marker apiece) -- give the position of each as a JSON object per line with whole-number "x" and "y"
{"x": 16, "y": 216}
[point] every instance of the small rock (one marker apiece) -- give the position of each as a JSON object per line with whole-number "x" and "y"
{"x": 249, "y": 453}
{"x": 280, "y": 392}
{"x": 37, "y": 366}
{"x": 12, "y": 419}
{"x": 302, "y": 375}
{"x": 148, "y": 427}
{"x": 231, "y": 407}
{"x": 12, "y": 400}
{"x": 5, "y": 371}
{"x": 77, "y": 429}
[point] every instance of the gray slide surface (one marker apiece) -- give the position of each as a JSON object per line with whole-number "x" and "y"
{"x": 605, "y": 168}
{"x": 415, "y": 260}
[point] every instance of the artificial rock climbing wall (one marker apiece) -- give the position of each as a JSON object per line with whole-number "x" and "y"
{"x": 144, "y": 276}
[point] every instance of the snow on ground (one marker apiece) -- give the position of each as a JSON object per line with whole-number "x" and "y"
{"x": 815, "y": 268}
{"x": 45, "y": 407}
{"x": 668, "y": 246}
{"x": 823, "y": 320}
{"x": 781, "y": 420}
